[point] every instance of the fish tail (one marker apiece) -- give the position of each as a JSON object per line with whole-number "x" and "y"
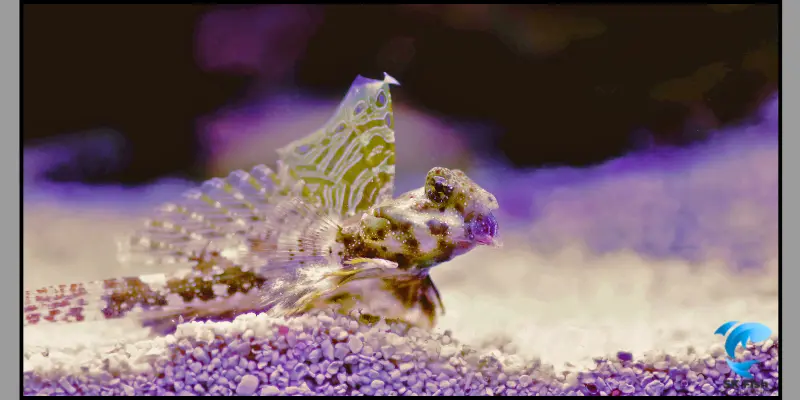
{"x": 214, "y": 286}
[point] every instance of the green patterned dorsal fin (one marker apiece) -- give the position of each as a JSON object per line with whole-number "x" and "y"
{"x": 348, "y": 164}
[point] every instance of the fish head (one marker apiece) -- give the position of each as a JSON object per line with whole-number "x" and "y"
{"x": 453, "y": 192}
{"x": 450, "y": 215}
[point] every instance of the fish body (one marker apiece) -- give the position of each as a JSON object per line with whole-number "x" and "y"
{"x": 323, "y": 230}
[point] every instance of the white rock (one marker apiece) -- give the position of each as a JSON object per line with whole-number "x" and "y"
{"x": 377, "y": 384}
{"x": 269, "y": 391}
{"x": 405, "y": 367}
{"x": 247, "y": 386}
{"x": 355, "y": 345}
{"x": 64, "y": 383}
{"x": 327, "y": 349}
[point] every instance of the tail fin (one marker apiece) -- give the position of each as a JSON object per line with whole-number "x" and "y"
{"x": 63, "y": 303}
{"x": 96, "y": 300}
{"x": 214, "y": 283}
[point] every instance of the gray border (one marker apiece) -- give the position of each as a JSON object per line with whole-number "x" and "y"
{"x": 789, "y": 51}
{"x": 11, "y": 302}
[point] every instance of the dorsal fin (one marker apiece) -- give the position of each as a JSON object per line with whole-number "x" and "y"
{"x": 348, "y": 164}
{"x": 344, "y": 167}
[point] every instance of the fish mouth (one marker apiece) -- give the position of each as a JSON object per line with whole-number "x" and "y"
{"x": 488, "y": 241}
{"x": 482, "y": 229}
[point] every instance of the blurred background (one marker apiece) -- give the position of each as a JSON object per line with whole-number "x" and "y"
{"x": 184, "y": 87}
{"x": 633, "y": 149}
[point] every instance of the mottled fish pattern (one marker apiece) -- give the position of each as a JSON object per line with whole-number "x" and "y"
{"x": 322, "y": 230}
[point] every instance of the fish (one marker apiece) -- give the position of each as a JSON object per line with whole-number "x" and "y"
{"x": 322, "y": 230}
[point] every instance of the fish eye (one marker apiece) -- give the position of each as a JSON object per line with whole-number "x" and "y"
{"x": 439, "y": 190}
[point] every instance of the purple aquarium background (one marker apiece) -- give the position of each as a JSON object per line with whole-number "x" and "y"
{"x": 637, "y": 179}
{"x": 718, "y": 197}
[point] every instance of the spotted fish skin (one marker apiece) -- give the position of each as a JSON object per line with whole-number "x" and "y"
{"x": 380, "y": 260}
{"x": 321, "y": 230}
{"x": 426, "y": 226}
{"x": 213, "y": 284}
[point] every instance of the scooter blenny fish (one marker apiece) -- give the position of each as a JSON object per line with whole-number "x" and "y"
{"x": 322, "y": 230}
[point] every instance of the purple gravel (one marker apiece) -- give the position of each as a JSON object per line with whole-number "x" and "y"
{"x": 382, "y": 360}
